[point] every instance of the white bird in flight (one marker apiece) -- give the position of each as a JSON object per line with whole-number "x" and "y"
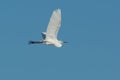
{"x": 50, "y": 36}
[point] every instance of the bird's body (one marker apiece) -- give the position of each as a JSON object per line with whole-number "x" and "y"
{"x": 52, "y": 42}
{"x": 50, "y": 36}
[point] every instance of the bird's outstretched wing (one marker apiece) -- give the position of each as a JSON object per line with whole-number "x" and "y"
{"x": 54, "y": 25}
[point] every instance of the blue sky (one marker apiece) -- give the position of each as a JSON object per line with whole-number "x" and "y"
{"x": 92, "y": 28}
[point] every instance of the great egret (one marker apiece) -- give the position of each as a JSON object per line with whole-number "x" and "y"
{"x": 50, "y": 36}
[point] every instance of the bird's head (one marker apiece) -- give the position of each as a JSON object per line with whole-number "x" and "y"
{"x": 63, "y": 42}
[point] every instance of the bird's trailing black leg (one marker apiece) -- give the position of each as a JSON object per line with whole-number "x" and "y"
{"x": 31, "y": 42}
{"x": 35, "y": 42}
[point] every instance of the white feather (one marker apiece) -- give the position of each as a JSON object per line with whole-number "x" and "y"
{"x": 54, "y": 25}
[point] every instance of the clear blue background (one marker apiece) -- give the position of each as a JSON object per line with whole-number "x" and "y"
{"x": 92, "y": 28}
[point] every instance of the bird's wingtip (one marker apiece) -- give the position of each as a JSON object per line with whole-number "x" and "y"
{"x": 58, "y": 9}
